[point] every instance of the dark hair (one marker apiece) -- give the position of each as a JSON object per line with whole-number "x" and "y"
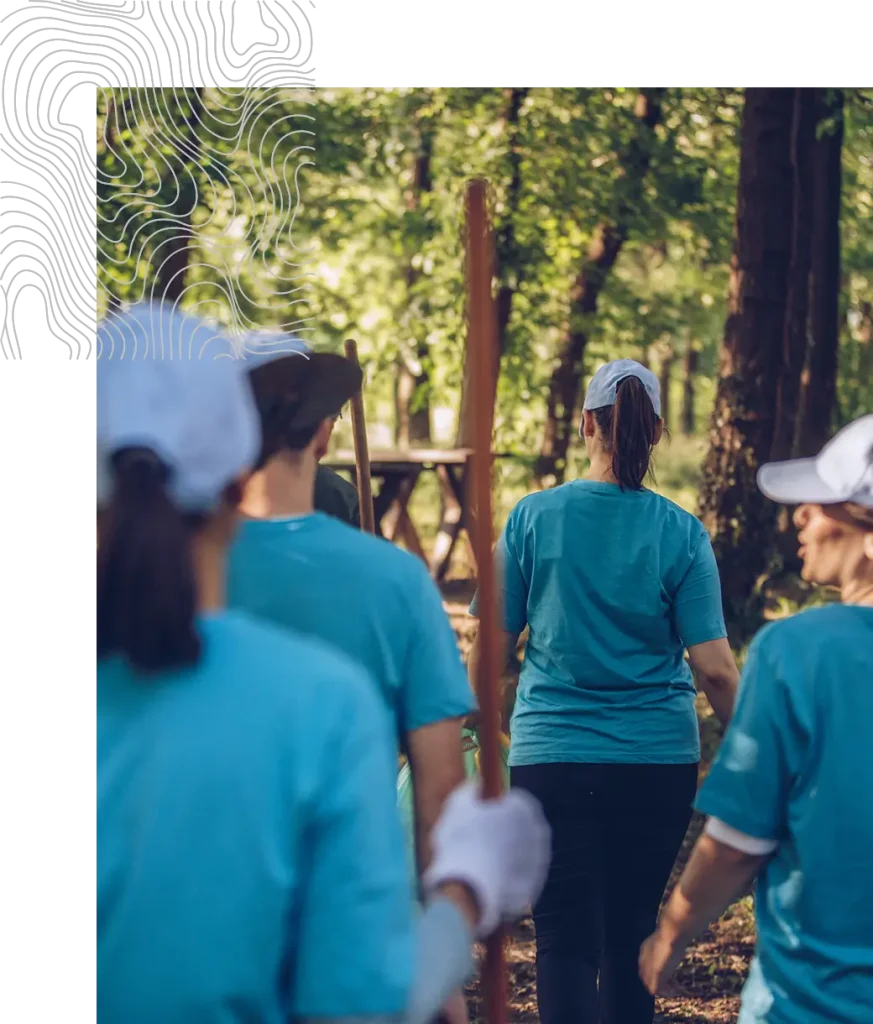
{"x": 278, "y": 430}
{"x": 146, "y": 589}
{"x": 628, "y": 430}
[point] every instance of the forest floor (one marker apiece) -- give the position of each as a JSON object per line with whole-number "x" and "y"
{"x": 706, "y": 988}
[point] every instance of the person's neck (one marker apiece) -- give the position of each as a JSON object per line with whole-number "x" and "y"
{"x": 600, "y": 469}
{"x": 210, "y": 571}
{"x": 857, "y": 592}
{"x": 283, "y": 488}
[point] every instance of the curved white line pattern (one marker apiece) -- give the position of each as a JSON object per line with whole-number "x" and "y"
{"x": 215, "y": 174}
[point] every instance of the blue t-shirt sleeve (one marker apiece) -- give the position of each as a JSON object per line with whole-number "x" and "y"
{"x": 749, "y": 783}
{"x": 435, "y": 685}
{"x": 697, "y": 606}
{"x": 511, "y": 583}
{"x": 354, "y": 946}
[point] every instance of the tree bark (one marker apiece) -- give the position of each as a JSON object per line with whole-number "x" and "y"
{"x": 173, "y": 251}
{"x": 689, "y": 419}
{"x": 411, "y": 384}
{"x": 795, "y": 332}
{"x": 604, "y": 250}
{"x": 668, "y": 357}
{"x": 739, "y": 519}
{"x": 819, "y": 382}
{"x": 508, "y": 260}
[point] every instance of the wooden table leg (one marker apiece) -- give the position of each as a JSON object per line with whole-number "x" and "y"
{"x": 454, "y": 520}
{"x": 386, "y": 497}
{"x": 398, "y": 523}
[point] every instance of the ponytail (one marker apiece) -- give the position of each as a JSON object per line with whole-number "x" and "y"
{"x": 146, "y": 591}
{"x": 629, "y": 431}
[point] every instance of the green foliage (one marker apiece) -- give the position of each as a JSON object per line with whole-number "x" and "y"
{"x": 298, "y": 209}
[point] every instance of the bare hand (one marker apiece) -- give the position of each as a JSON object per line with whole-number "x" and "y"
{"x": 659, "y": 958}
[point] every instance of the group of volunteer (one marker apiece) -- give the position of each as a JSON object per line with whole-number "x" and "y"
{"x": 261, "y": 662}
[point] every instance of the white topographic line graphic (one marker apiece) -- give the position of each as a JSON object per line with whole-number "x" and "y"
{"x": 215, "y": 174}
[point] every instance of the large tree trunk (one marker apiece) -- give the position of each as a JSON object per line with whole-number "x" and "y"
{"x": 739, "y": 519}
{"x": 795, "y": 332}
{"x": 172, "y": 254}
{"x": 607, "y": 243}
{"x": 689, "y": 419}
{"x": 818, "y": 389}
{"x": 507, "y": 257}
{"x": 412, "y": 381}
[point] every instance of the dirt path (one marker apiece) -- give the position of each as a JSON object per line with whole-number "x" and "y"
{"x": 707, "y": 985}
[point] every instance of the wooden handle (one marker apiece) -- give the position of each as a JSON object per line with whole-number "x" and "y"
{"x": 482, "y": 342}
{"x": 362, "y": 452}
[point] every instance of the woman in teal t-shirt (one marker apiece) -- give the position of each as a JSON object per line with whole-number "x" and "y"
{"x": 615, "y": 583}
{"x": 790, "y": 797}
{"x": 250, "y": 860}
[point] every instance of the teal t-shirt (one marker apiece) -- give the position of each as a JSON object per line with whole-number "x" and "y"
{"x": 362, "y": 595}
{"x": 796, "y": 766}
{"x": 614, "y": 585}
{"x": 248, "y": 838}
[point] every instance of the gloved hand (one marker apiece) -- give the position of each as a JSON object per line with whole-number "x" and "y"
{"x": 500, "y": 849}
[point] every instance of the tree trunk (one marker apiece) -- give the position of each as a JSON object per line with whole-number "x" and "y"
{"x": 689, "y": 419}
{"x": 508, "y": 260}
{"x": 739, "y": 519}
{"x": 412, "y": 381}
{"x": 610, "y": 237}
{"x": 818, "y": 388}
{"x": 795, "y": 333}
{"x": 173, "y": 251}
{"x": 668, "y": 357}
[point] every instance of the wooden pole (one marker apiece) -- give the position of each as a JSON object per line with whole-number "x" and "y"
{"x": 362, "y": 452}
{"x": 481, "y": 344}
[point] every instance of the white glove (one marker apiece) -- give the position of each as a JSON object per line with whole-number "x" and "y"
{"x": 500, "y": 848}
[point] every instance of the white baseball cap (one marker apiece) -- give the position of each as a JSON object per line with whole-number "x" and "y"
{"x": 842, "y": 471}
{"x": 172, "y": 383}
{"x": 604, "y": 384}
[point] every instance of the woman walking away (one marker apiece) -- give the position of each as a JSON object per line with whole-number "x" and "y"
{"x": 615, "y": 583}
{"x": 250, "y": 862}
{"x": 789, "y": 796}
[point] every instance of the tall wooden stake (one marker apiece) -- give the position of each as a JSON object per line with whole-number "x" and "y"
{"x": 362, "y": 452}
{"x": 481, "y": 344}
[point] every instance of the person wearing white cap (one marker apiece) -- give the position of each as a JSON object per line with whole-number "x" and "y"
{"x": 250, "y": 861}
{"x": 615, "y": 583}
{"x": 789, "y": 796}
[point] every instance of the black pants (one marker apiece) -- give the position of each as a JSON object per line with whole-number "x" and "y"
{"x": 616, "y": 830}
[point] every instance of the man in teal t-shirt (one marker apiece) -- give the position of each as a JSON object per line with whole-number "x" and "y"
{"x": 315, "y": 574}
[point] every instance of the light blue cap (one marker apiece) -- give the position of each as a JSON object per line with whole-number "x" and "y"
{"x": 172, "y": 383}
{"x": 603, "y": 385}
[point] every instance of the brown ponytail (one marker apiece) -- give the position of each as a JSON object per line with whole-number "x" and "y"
{"x": 146, "y": 592}
{"x": 629, "y": 432}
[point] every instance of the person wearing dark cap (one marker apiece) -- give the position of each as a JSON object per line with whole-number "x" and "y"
{"x": 790, "y": 795}
{"x": 300, "y": 568}
{"x": 334, "y": 495}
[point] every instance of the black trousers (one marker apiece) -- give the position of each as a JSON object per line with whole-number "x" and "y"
{"x": 616, "y": 830}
